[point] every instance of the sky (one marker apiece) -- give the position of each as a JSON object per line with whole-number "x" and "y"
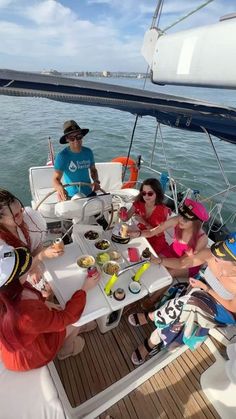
{"x": 91, "y": 35}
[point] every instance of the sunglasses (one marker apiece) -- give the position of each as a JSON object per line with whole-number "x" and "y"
{"x": 150, "y": 193}
{"x": 74, "y": 138}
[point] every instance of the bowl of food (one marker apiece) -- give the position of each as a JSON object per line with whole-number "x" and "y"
{"x": 110, "y": 268}
{"x": 102, "y": 258}
{"x": 102, "y": 244}
{"x": 120, "y": 234}
{"x": 85, "y": 261}
{"x": 91, "y": 235}
{"x": 114, "y": 255}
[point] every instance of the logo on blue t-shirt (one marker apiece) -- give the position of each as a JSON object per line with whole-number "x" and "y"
{"x": 72, "y": 167}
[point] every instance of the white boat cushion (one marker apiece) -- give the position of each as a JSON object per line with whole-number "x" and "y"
{"x": 110, "y": 175}
{"x": 79, "y": 208}
{"x": 27, "y": 395}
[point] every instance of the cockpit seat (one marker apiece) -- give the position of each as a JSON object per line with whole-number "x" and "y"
{"x": 110, "y": 176}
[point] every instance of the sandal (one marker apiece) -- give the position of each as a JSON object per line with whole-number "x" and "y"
{"x": 135, "y": 320}
{"x": 137, "y": 357}
{"x": 78, "y": 346}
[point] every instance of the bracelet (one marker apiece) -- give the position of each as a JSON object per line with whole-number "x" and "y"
{"x": 140, "y": 232}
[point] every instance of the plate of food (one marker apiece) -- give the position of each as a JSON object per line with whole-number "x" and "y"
{"x": 102, "y": 244}
{"x": 91, "y": 235}
{"x": 102, "y": 258}
{"x": 110, "y": 268}
{"x": 85, "y": 261}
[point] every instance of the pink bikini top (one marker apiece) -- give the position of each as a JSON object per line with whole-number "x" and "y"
{"x": 180, "y": 248}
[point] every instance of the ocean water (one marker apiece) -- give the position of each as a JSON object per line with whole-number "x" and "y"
{"x": 26, "y": 124}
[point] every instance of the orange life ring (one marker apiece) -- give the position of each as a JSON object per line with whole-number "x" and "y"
{"x": 131, "y": 165}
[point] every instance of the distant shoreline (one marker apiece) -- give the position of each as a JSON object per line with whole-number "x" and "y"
{"x": 103, "y": 74}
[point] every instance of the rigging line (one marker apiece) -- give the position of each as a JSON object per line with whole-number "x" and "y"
{"x": 157, "y": 15}
{"x": 172, "y": 183}
{"x": 154, "y": 146}
{"x": 217, "y": 157}
{"x": 187, "y": 15}
{"x": 130, "y": 146}
{"x": 232, "y": 188}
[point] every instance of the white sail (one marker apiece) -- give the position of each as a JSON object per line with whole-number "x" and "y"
{"x": 204, "y": 56}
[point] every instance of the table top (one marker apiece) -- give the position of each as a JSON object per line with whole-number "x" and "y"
{"x": 65, "y": 277}
{"x": 153, "y": 279}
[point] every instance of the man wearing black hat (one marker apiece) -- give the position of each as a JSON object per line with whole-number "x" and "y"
{"x": 76, "y": 164}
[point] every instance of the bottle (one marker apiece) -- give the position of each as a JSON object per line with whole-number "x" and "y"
{"x": 58, "y": 244}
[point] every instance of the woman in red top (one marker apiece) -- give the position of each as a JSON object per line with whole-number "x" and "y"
{"x": 150, "y": 211}
{"x": 31, "y": 334}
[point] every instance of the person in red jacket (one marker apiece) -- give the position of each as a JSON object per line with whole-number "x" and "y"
{"x": 32, "y": 334}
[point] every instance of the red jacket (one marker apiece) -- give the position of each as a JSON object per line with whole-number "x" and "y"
{"x": 42, "y": 332}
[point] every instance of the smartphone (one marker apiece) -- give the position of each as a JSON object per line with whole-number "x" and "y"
{"x": 133, "y": 254}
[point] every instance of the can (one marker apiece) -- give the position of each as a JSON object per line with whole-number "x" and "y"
{"x": 58, "y": 244}
{"x": 92, "y": 271}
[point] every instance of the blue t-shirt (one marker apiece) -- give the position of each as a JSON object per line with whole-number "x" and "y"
{"x": 75, "y": 168}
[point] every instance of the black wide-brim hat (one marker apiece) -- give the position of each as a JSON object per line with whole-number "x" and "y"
{"x": 70, "y": 127}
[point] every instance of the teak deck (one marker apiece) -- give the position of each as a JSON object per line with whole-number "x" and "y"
{"x": 174, "y": 392}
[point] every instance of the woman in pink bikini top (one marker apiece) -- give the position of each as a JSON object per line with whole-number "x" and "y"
{"x": 188, "y": 234}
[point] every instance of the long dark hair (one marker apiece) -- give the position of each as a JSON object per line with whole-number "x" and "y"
{"x": 156, "y": 187}
{"x": 6, "y": 199}
{"x": 197, "y": 225}
{"x": 9, "y": 334}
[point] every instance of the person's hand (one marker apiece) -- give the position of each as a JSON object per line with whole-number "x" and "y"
{"x": 52, "y": 306}
{"x": 133, "y": 234}
{"x": 91, "y": 282}
{"x": 96, "y": 186}
{"x": 35, "y": 276}
{"x": 196, "y": 283}
{"x": 51, "y": 252}
{"x": 155, "y": 260}
{"x": 61, "y": 192}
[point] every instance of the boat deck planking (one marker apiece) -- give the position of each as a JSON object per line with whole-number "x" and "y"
{"x": 174, "y": 392}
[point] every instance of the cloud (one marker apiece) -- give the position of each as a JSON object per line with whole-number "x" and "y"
{"x": 5, "y": 3}
{"x": 49, "y": 12}
{"x": 49, "y": 34}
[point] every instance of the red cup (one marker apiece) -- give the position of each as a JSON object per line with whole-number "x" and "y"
{"x": 92, "y": 271}
{"x": 123, "y": 213}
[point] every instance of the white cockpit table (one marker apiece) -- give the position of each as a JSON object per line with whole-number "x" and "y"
{"x": 65, "y": 278}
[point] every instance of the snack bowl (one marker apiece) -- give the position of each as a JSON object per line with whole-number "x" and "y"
{"x": 85, "y": 261}
{"x": 102, "y": 244}
{"x": 110, "y": 268}
{"x": 102, "y": 257}
{"x": 91, "y": 235}
{"x": 134, "y": 287}
{"x": 114, "y": 255}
